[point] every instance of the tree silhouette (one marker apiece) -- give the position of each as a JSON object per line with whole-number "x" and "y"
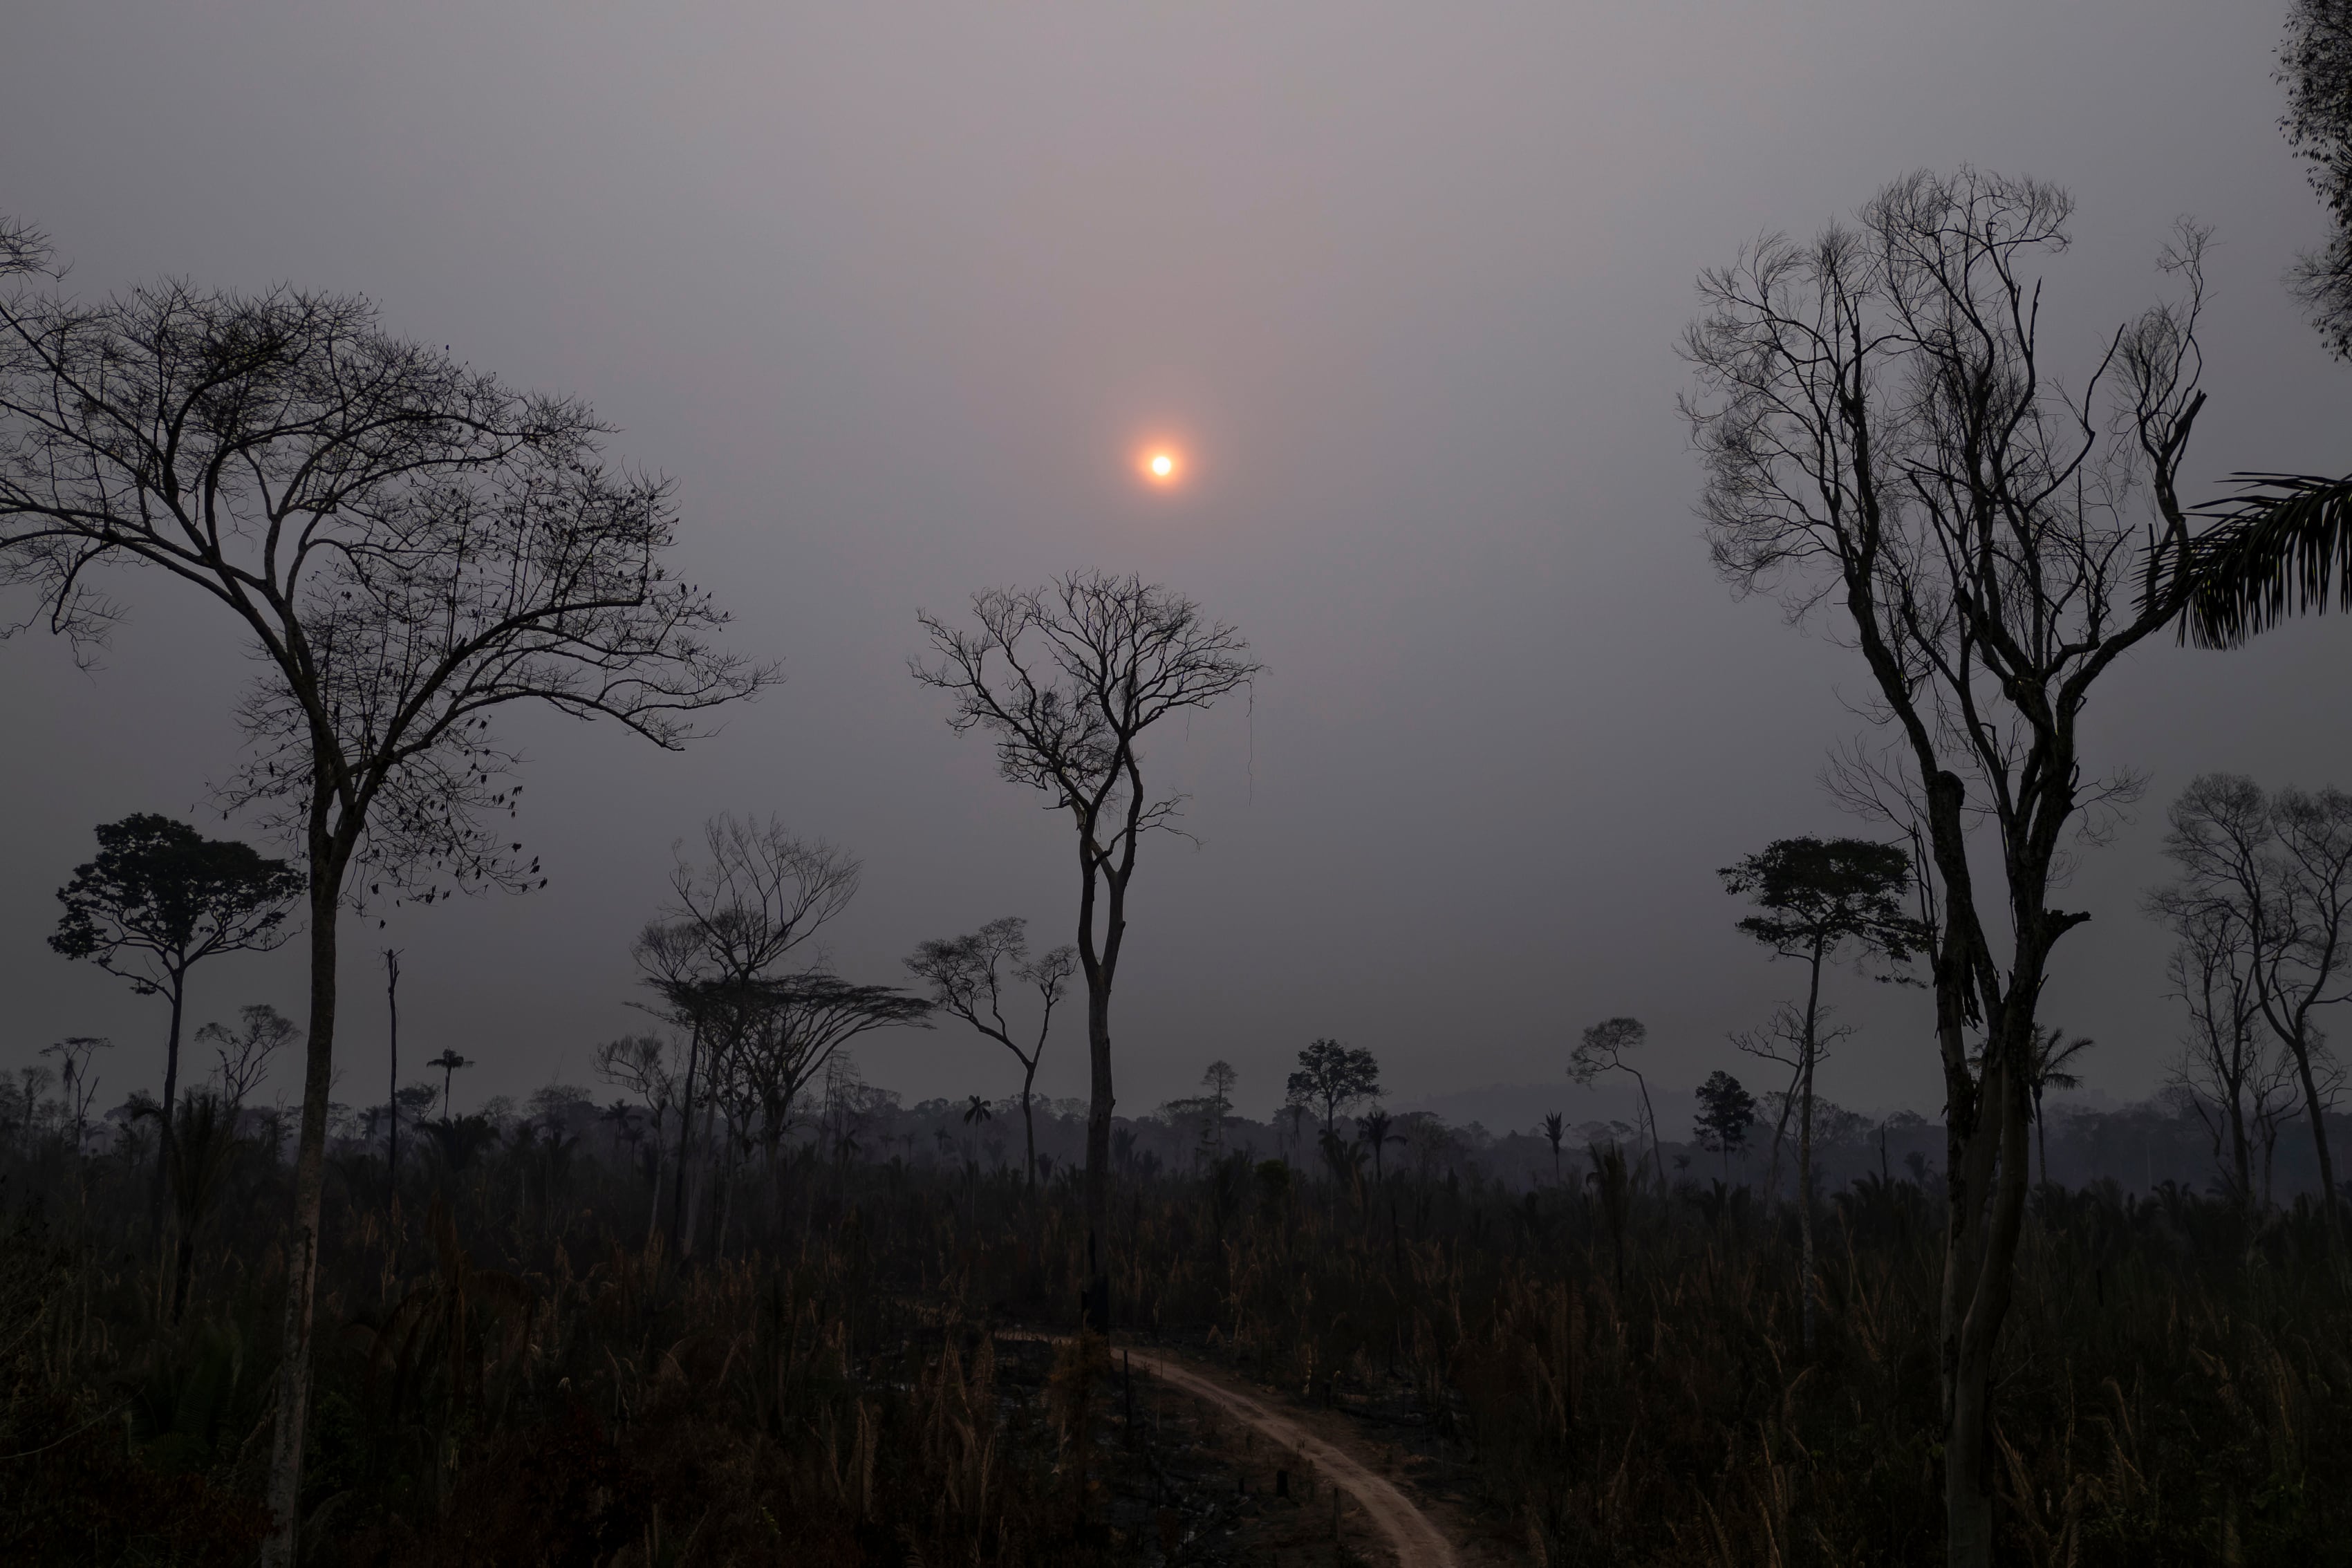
{"x": 967, "y": 976}
{"x": 2281, "y": 546}
{"x": 408, "y": 544}
{"x": 1888, "y": 449}
{"x": 1069, "y": 678}
{"x": 261, "y": 1033}
{"x": 1555, "y": 1128}
{"x": 2276, "y": 868}
{"x": 756, "y": 894}
{"x": 449, "y": 1061}
{"x": 1334, "y": 1076}
{"x": 1219, "y": 1078}
{"x": 159, "y": 898}
{"x": 2052, "y": 1051}
{"x": 1375, "y": 1124}
{"x": 1822, "y": 898}
{"x": 1608, "y": 1046}
{"x": 1726, "y": 1112}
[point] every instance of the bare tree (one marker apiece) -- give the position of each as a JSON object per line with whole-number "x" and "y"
{"x": 1069, "y": 678}
{"x": 409, "y": 544}
{"x": 1608, "y": 1046}
{"x": 647, "y": 1066}
{"x": 967, "y": 976}
{"x": 2276, "y": 868}
{"x": 1889, "y": 455}
{"x": 758, "y": 893}
{"x": 244, "y": 1052}
{"x": 2227, "y": 1050}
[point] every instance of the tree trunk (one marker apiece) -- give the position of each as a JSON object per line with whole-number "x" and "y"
{"x": 1809, "y": 1052}
{"x": 1094, "y": 1305}
{"x": 1657, "y": 1155}
{"x": 168, "y": 1144}
{"x": 684, "y": 1140}
{"x": 327, "y": 865}
{"x": 1029, "y": 1113}
{"x": 392, "y": 1100}
{"x": 2313, "y": 1106}
{"x": 1989, "y": 1280}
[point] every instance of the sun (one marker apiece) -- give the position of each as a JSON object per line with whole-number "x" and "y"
{"x": 1162, "y": 467}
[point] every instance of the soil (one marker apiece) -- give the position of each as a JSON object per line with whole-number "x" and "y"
{"x": 1225, "y": 1472}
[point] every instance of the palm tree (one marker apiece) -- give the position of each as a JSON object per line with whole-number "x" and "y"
{"x": 2052, "y": 1051}
{"x": 1554, "y": 1129}
{"x": 2282, "y": 547}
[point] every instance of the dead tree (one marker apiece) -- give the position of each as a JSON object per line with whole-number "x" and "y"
{"x": 968, "y": 974}
{"x": 1887, "y": 452}
{"x": 1069, "y": 678}
{"x": 408, "y": 543}
{"x": 2276, "y": 867}
{"x": 756, "y": 893}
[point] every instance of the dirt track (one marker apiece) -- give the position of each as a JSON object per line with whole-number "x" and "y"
{"x": 1409, "y": 1532}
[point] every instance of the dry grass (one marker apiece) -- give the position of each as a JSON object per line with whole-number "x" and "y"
{"x": 512, "y": 1376}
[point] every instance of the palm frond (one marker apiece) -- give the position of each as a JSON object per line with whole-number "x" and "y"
{"x": 2282, "y": 547}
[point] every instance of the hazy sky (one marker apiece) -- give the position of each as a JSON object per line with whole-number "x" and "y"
{"x": 893, "y": 290}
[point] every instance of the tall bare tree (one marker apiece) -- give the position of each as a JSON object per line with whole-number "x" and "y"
{"x": 2276, "y": 868}
{"x": 2228, "y": 1058}
{"x": 1889, "y": 454}
{"x": 409, "y": 545}
{"x": 968, "y": 975}
{"x": 1069, "y": 678}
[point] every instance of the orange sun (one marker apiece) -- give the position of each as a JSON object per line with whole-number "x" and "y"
{"x": 1162, "y": 465}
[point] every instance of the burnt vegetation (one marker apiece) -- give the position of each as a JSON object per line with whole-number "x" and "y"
{"x": 735, "y": 1304}
{"x": 857, "y": 1371}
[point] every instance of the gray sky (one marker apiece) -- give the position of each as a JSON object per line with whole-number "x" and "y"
{"x": 893, "y": 291}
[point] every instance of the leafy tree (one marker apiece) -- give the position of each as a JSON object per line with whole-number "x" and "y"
{"x": 968, "y": 975}
{"x": 2052, "y": 1051}
{"x": 449, "y": 1061}
{"x": 1726, "y": 1112}
{"x": 1822, "y": 898}
{"x": 159, "y": 898}
{"x": 1069, "y": 678}
{"x": 1608, "y": 1046}
{"x": 1219, "y": 1078}
{"x": 408, "y": 545}
{"x": 1376, "y": 1136}
{"x": 1334, "y": 1076}
{"x": 2283, "y": 545}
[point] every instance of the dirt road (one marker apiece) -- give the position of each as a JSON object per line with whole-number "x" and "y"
{"x": 1410, "y": 1533}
